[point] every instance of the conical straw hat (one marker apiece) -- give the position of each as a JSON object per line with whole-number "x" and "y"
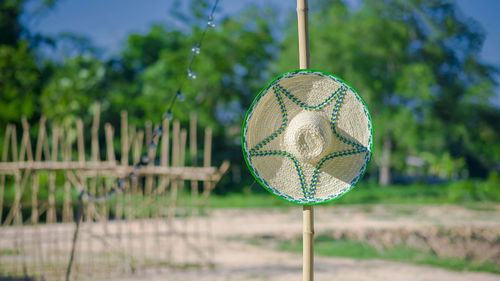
{"x": 307, "y": 137}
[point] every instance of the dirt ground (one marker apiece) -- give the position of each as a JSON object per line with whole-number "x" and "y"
{"x": 235, "y": 259}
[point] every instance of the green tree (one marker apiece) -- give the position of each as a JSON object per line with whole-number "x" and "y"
{"x": 415, "y": 64}
{"x": 19, "y": 82}
{"x": 72, "y": 89}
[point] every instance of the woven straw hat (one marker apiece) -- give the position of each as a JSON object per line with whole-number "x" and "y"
{"x": 307, "y": 137}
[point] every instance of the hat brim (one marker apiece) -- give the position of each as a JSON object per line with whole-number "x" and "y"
{"x": 337, "y": 166}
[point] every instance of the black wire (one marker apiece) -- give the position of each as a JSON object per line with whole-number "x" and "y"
{"x": 75, "y": 235}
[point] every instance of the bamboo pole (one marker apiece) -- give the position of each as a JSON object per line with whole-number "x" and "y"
{"x": 51, "y": 212}
{"x": 150, "y": 152}
{"x": 207, "y": 186}
{"x": 207, "y": 157}
{"x": 192, "y": 153}
{"x": 95, "y": 158}
{"x": 108, "y": 182}
{"x": 4, "y": 159}
{"x": 302, "y": 19}
{"x": 41, "y": 140}
{"x": 36, "y": 175}
{"x": 125, "y": 141}
{"x": 67, "y": 207}
{"x": 164, "y": 158}
{"x": 14, "y": 143}
{"x": 137, "y": 158}
{"x": 307, "y": 211}
{"x": 173, "y": 187}
{"x": 26, "y": 142}
{"x": 182, "y": 200}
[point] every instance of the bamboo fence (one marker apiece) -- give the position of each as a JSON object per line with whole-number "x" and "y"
{"x": 157, "y": 220}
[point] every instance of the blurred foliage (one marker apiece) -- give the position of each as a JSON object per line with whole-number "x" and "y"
{"x": 415, "y": 63}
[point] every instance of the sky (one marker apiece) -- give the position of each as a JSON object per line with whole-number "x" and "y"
{"x": 108, "y": 22}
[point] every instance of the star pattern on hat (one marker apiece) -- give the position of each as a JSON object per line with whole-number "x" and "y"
{"x": 338, "y": 96}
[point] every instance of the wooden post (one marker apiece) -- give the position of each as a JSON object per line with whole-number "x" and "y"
{"x": 148, "y": 188}
{"x": 307, "y": 211}
{"x": 207, "y": 157}
{"x": 26, "y": 142}
{"x": 110, "y": 149}
{"x": 4, "y": 159}
{"x": 164, "y": 158}
{"x": 137, "y": 158}
{"x": 302, "y": 19}
{"x": 36, "y": 175}
{"x": 51, "y": 212}
{"x": 125, "y": 142}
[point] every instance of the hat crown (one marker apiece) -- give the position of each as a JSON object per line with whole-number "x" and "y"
{"x": 308, "y": 137}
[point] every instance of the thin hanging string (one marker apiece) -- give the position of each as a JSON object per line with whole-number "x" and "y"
{"x": 84, "y": 194}
{"x": 195, "y": 51}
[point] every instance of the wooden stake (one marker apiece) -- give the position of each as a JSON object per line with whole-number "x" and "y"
{"x": 51, "y": 212}
{"x": 307, "y": 211}
{"x": 302, "y": 19}
{"x": 308, "y": 243}
{"x": 4, "y": 159}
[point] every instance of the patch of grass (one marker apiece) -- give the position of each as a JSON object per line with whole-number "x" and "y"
{"x": 469, "y": 193}
{"x": 8, "y": 252}
{"x": 326, "y": 246}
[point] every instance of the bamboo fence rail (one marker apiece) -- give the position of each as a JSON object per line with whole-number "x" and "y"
{"x": 157, "y": 220}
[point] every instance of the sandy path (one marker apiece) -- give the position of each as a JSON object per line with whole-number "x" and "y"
{"x": 236, "y": 260}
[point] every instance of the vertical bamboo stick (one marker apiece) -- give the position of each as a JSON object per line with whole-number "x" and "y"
{"x": 81, "y": 141}
{"x": 307, "y": 211}
{"x": 95, "y": 157}
{"x": 137, "y": 158}
{"x": 81, "y": 154}
{"x": 108, "y": 186}
{"x": 34, "y": 194}
{"x": 207, "y": 160}
{"x": 8, "y": 132}
{"x": 108, "y": 129}
{"x": 26, "y": 142}
{"x": 207, "y": 186}
{"x": 173, "y": 186}
{"x": 192, "y": 154}
{"x": 16, "y": 184}
{"x": 308, "y": 243}
{"x": 5, "y": 151}
{"x": 193, "y": 150}
{"x": 36, "y": 175}
{"x": 150, "y": 153}
{"x": 182, "y": 159}
{"x": 124, "y": 150}
{"x": 95, "y": 133}
{"x": 175, "y": 163}
{"x": 94, "y": 182}
{"x": 18, "y": 216}
{"x": 302, "y": 20}
{"x": 14, "y": 143}
{"x": 164, "y": 161}
{"x": 156, "y": 210}
{"x": 67, "y": 207}
{"x": 125, "y": 141}
{"x": 136, "y": 188}
{"x": 51, "y": 212}
{"x": 164, "y": 158}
